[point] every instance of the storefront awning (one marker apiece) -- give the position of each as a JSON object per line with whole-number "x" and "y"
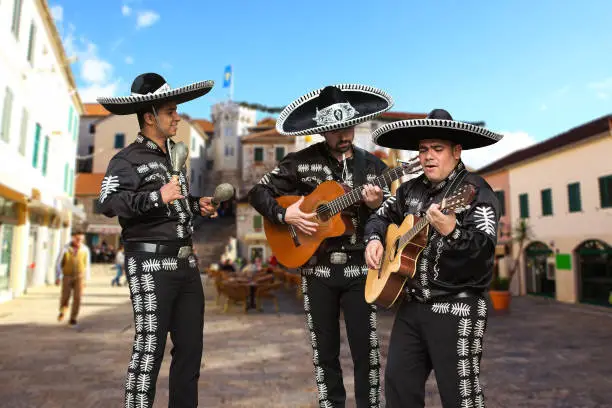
{"x": 256, "y": 236}
{"x": 104, "y": 229}
{"x": 12, "y": 195}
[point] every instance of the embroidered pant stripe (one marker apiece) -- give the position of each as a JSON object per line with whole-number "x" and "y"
{"x": 374, "y": 361}
{"x": 319, "y": 372}
{"x": 144, "y": 303}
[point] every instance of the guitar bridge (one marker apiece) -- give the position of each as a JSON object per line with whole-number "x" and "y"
{"x": 294, "y": 236}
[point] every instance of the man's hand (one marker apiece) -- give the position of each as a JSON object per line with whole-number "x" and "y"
{"x": 295, "y": 216}
{"x": 373, "y": 254}
{"x": 171, "y": 191}
{"x": 207, "y": 208}
{"x": 372, "y": 196}
{"x": 444, "y": 224}
{"x": 57, "y": 282}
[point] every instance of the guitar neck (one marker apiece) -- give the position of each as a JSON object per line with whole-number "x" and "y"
{"x": 408, "y": 236}
{"x": 354, "y": 196}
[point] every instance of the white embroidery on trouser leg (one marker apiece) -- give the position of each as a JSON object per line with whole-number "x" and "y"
{"x": 470, "y": 331}
{"x": 144, "y": 303}
{"x": 374, "y": 375}
{"x": 318, "y": 370}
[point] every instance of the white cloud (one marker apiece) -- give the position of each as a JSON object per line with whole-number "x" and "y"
{"x": 89, "y": 93}
{"x": 146, "y": 18}
{"x": 95, "y": 73}
{"x": 511, "y": 142}
{"x": 603, "y": 89}
{"x": 57, "y": 12}
{"x": 129, "y": 60}
{"x": 96, "y": 70}
{"x": 126, "y": 10}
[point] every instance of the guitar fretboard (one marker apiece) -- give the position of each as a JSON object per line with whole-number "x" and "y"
{"x": 407, "y": 237}
{"x": 338, "y": 204}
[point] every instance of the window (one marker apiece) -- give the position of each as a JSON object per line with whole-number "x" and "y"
{"x": 35, "y": 150}
{"x": 210, "y": 164}
{"x": 280, "y": 153}
{"x": 547, "y": 207}
{"x": 6, "y": 115}
{"x": 31, "y": 42}
{"x": 23, "y": 137}
{"x": 259, "y": 154}
{"x": 257, "y": 223}
{"x": 502, "y": 201}
{"x": 66, "y": 177}
{"x": 524, "y": 205}
{"x": 573, "y": 195}
{"x": 119, "y": 140}
{"x": 70, "y": 118}
{"x": 605, "y": 191}
{"x": 16, "y": 18}
{"x": 45, "y": 156}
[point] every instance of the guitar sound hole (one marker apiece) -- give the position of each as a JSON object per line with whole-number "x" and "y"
{"x": 323, "y": 213}
{"x": 395, "y": 248}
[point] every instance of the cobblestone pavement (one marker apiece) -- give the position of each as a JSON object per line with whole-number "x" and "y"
{"x": 542, "y": 354}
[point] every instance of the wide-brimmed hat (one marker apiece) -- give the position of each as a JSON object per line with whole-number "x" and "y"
{"x": 331, "y": 108}
{"x": 439, "y": 124}
{"x": 152, "y": 89}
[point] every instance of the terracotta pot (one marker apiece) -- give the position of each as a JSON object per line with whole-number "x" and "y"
{"x": 500, "y": 299}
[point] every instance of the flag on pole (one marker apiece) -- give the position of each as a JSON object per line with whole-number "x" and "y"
{"x": 227, "y": 77}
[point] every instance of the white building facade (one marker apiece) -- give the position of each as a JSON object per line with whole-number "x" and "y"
{"x": 39, "y": 122}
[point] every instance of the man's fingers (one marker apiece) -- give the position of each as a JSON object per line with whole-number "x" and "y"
{"x": 308, "y": 215}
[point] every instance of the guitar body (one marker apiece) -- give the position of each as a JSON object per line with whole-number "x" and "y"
{"x": 398, "y": 264}
{"x": 294, "y": 250}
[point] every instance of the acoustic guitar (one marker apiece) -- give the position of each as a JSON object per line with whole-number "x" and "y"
{"x": 403, "y": 246}
{"x": 292, "y": 247}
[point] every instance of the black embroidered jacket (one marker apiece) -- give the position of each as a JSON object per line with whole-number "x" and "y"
{"x": 301, "y": 172}
{"x": 463, "y": 259}
{"x": 131, "y": 191}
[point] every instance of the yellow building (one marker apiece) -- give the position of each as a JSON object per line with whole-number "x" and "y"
{"x": 562, "y": 187}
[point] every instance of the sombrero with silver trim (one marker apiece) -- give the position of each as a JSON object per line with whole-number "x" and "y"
{"x": 439, "y": 124}
{"x": 331, "y": 108}
{"x": 150, "y": 88}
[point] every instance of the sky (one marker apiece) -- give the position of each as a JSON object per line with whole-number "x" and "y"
{"x": 529, "y": 69}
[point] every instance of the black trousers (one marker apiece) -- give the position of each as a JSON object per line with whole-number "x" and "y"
{"x": 167, "y": 296}
{"x": 446, "y": 336}
{"x": 326, "y": 289}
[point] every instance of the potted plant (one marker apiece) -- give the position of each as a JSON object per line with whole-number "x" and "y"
{"x": 499, "y": 290}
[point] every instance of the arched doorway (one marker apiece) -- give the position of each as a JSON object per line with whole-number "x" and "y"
{"x": 540, "y": 279}
{"x": 594, "y": 260}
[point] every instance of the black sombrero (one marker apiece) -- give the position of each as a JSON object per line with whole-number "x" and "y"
{"x": 150, "y": 88}
{"x": 331, "y": 108}
{"x": 439, "y": 124}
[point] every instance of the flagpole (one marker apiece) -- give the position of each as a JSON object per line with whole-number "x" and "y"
{"x": 232, "y": 83}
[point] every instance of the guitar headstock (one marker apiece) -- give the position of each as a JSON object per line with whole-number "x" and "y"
{"x": 411, "y": 166}
{"x": 460, "y": 200}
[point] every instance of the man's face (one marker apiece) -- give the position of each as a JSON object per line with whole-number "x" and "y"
{"x": 78, "y": 239}
{"x": 438, "y": 158}
{"x": 340, "y": 141}
{"x": 168, "y": 119}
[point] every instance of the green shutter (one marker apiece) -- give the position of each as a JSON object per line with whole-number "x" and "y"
{"x": 280, "y": 153}
{"x": 259, "y": 153}
{"x": 36, "y": 142}
{"x": 31, "y": 42}
{"x": 573, "y": 193}
{"x": 546, "y": 196}
{"x": 66, "y": 177}
{"x": 524, "y": 205}
{"x": 16, "y": 18}
{"x": 257, "y": 222}
{"x": 501, "y": 197}
{"x": 45, "y": 156}
{"x": 71, "y": 187}
{"x": 70, "y": 116}
{"x": 7, "y": 112}
{"x": 75, "y": 127}
{"x": 605, "y": 191}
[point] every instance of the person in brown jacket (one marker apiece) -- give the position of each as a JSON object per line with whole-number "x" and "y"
{"x": 73, "y": 269}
